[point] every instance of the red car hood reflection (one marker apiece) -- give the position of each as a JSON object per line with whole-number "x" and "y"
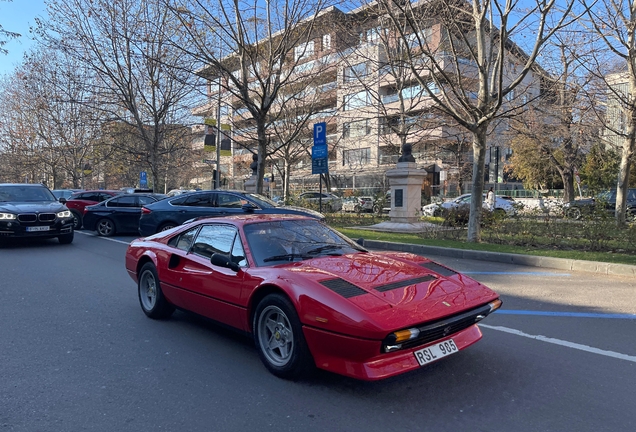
{"x": 395, "y": 285}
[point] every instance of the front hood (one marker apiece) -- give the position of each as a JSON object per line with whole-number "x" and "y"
{"x": 397, "y": 289}
{"x": 32, "y": 207}
{"x": 304, "y": 211}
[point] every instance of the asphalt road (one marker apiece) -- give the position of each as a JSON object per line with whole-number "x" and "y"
{"x": 77, "y": 354}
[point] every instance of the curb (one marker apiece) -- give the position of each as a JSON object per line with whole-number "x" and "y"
{"x": 518, "y": 259}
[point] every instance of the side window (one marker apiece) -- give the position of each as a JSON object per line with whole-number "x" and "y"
{"x": 184, "y": 241}
{"x": 91, "y": 197}
{"x": 214, "y": 239}
{"x": 229, "y": 200}
{"x": 102, "y": 196}
{"x": 143, "y": 200}
{"x": 199, "y": 200}
{"x": 127, "y": 201}
{"x": 238, "y": 253}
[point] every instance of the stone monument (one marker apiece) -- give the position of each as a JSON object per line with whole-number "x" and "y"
{"x": 406, "y": 188}
{"x": 250, "y": 184}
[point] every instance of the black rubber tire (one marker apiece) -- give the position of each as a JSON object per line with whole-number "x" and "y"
{"x": 299, "y": 362}
{"x": 159, "y": 307}
{"x": 573, "y": 213}
{"x": 66, "y": 238}
{"x": 105, "y": 227}
{"x": 167, "y": 226}
{"x": 77, "y": 220}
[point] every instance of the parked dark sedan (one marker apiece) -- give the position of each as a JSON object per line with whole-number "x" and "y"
{"x": 31, "y": 210}
{"x": 172, "y": 212}
{"x": 119, "y": 214}
{"x": 607, "y": 199}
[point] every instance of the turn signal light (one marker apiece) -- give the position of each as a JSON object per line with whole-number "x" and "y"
{"x": 404, "y": 335}
{"x": 494, "y": 305}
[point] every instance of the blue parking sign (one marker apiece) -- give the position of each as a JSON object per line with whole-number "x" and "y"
{"x": 143, "y": 179}
{"x": 320, "y": 134}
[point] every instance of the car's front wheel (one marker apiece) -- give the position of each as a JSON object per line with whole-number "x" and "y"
{"x": 105, "y": 227}
{"x": 279, "y": 338}
{"x": 77, "y": 220}
{"x": 151, "y": 298}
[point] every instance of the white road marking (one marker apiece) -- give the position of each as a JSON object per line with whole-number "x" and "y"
{"x": 563, "y": 343}
{"x": 103, "y": 238}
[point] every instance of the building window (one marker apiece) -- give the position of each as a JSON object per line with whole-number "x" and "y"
{"x": 370, "y": 35}
{"x": 356, "y": 129}
{"x": 415, "y": 40}
{"x": 355, "y": 72}
{"x": 356, "y": 100}
{"x": 304, "y": 51}
{"x": 356, "y": 157}
{"x": 326, "y": 42}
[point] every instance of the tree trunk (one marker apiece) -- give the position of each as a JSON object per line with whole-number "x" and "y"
{"x": 262, "y": 152}
{"x": 479, "y": 161}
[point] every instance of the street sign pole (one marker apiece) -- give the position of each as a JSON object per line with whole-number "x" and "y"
{"x": 319, "y": 156}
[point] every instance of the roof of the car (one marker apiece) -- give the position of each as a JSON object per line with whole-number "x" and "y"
{"x": 23, "y": 184}
{"x": 244, "y": 219}
{"x": 101, "y": 190}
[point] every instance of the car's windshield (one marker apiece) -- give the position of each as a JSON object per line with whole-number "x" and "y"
{"x": 261, "y": 200}
{"x": 25, "y": 193}
{"x": 276, "y": 242}
{"x": 604, "y": 196}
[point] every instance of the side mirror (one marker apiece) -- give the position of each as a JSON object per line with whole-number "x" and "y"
{"x": 62, "y": 200}
{"x": 360, "y": 241}
{"x": 221, "y": 260}
{"x": 248, "y": 207}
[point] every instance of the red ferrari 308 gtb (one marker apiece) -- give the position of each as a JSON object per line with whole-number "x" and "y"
{"x": 310, "y": 297}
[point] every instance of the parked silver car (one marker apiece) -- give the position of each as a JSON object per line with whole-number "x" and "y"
{"x": 502, "y": 205}
{"x": 330, "y": 202}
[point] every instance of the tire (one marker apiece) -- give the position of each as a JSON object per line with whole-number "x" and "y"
{"x": 77, "y": 220}
{"x": 357, "y": 209}
{"x": 279, "y": 338}
{"x": 66, "y": 238}
{"x": 151, "y": 298}
{"x": 105, "y": 227}
{"x": 573, "y": 213}
{"x": 167, "y": 226}
{"x": 499, "y": 213}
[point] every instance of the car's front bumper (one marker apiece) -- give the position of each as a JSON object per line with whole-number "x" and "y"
{"x": 17, "y": 229}
{"x": 362, "y": 359}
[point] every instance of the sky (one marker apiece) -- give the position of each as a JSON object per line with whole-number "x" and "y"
{"x": 17, "y": 16}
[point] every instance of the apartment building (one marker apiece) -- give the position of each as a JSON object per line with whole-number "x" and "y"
{"x": 355, "y": 75}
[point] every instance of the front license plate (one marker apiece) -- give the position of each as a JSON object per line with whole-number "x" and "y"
{"x": 435, "y": 352}
{"x": 38, "y": 228}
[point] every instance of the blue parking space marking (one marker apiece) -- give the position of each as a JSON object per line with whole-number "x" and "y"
{"x": 566, "y": 314}
{"x": 516, "y": 273}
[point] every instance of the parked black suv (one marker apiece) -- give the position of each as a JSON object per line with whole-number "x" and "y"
{"x": 31, "y": 210}
{"x": 607, "y": 199}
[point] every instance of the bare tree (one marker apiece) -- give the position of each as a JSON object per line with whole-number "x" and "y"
{"x": 260, "y": 56}
{"x": 141, "y": 81}
{"x": 470, "y": 64}
{"x": 615, "y": 24}
{"x": 6, "y": 36}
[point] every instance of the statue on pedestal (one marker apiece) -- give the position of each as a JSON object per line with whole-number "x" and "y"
{"x": 407, "y": 156}
{"x": 254, "y": 164}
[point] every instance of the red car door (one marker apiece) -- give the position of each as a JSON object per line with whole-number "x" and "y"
{"x": 211, "y": 291}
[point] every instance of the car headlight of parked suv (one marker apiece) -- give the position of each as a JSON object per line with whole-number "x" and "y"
{"x": 64, "y": 214}
{"x": 7, "y": 216}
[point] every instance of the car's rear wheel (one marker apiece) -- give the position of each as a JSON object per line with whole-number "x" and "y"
{"x": 66, "y": 238}
{"x": 279, "y": 338}
{"x": 573, "y": 213}
{"x": 77, "y": 220}
{"x": 151, "y": 298}
{"x": 105, "y": 227}
{"x": 167, "y": 226}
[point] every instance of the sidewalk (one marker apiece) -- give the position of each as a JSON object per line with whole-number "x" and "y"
{"x": 518, "y": 259}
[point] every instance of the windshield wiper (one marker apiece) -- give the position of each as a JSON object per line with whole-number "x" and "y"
{"x": 286, "y": 257}
{"x": 326, "y": 248}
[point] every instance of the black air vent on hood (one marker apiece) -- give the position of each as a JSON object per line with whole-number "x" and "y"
{"x": 403, "y": 283}
{"x": 439, "y": 269}
{"x": 342, "y": 287}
